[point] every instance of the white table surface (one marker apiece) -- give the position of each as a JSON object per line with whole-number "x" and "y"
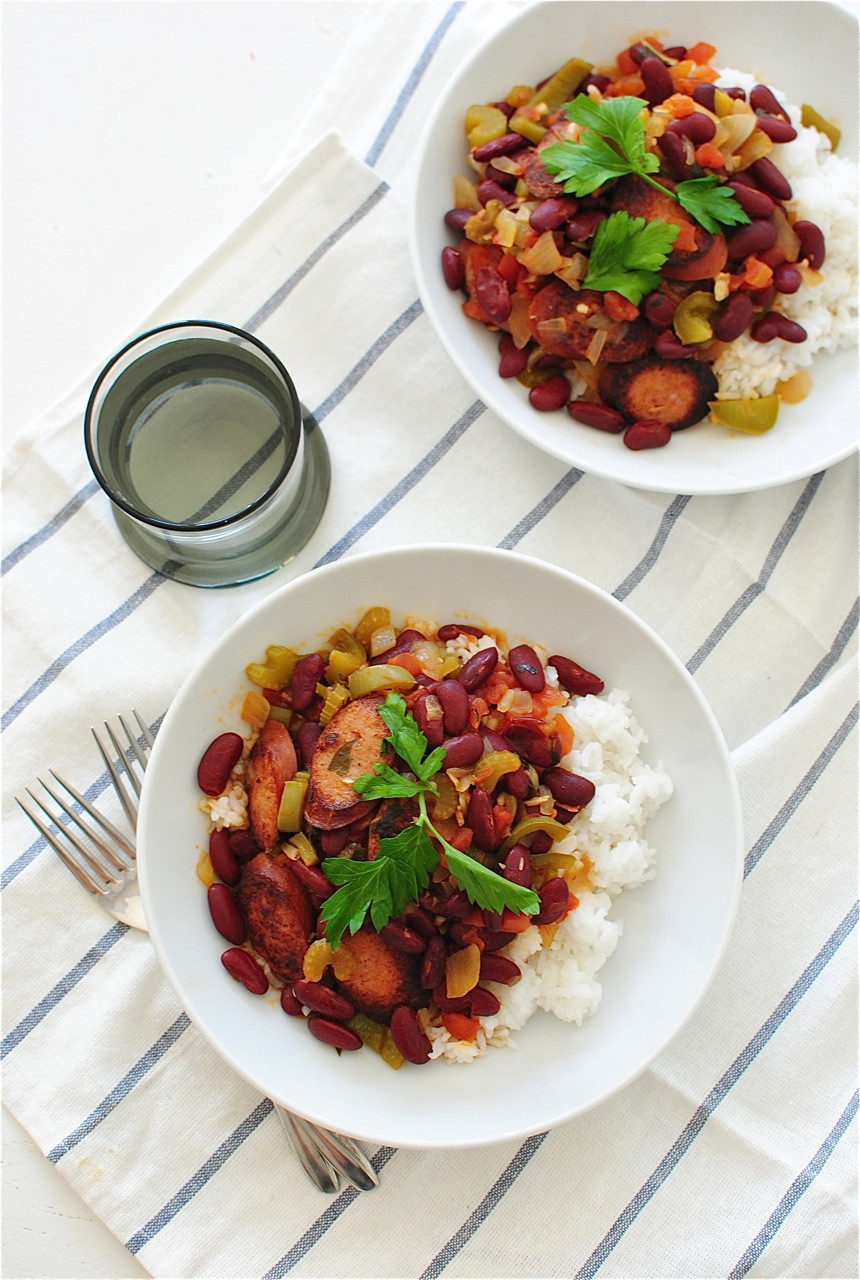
{"x": 135, "y": 135}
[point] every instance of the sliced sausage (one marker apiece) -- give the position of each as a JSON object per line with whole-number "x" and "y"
{"x": 272, "y": 763}
{"x": 583, "y": 314}
{"x": 278, "y": 913}
{"x": 539, "y": 181}
{"x": 350, "y": 745}
{"x": 675, "y": 392}
{"x": 696, "y": 254}
{"x": 391, "y": 818}
{"x": 382, "y": 977}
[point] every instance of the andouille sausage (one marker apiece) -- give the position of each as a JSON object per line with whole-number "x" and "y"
{"x": 391, "y": 817}
{"x": 675, "y": 392}
{"x": 272, "y": 763}
{"x": 278, "y": 913}
{"x": 583, "y": 314}
{"x": 350, "y": 745}
{"x": 696, "y": 254}
{"x": 382, "y": 976}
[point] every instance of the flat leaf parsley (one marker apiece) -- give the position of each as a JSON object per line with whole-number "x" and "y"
{"x": 627, "y": 254}
{"x": 386, "y": 885}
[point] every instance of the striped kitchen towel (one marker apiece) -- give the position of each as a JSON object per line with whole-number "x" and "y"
{"x": 734, "y": 1154}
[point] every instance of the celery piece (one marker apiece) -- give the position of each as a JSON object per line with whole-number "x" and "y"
{"x": 383, "y": 676}
{"x": 277, "y": 671}
{"x": 552, "y": 94}
{"x": 292, "y": 804}
{"x": 812, "y": 119}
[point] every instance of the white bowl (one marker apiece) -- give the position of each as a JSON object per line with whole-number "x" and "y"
{"x": 675, "y": 927}
{"x": 758, "y": 38}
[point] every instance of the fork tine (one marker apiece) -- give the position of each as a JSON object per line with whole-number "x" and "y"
{"x": 138, "y": 752}
{"x": 85, "y": 879}
{"x": 124, "y": 798}
{"x": 73, "y": 840}
{"x": 123, "y": 758}
{"x": 105, "y": 824}
{"x": 145, "y": 733}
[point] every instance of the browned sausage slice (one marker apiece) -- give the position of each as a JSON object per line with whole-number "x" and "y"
{"x": 672, "y": 391}
{"x": 391, "y": 818}
{"x": 272, "y": 763}
{"x": 350, "y": 745}
{"x": 382, "y": 977}
{"x": 696, "y": 254}
{"x": 564, "y": 322}
{"x": 278, "y": 913}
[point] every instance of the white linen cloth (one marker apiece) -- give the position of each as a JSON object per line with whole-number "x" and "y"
{"x": 735, "y": 1153}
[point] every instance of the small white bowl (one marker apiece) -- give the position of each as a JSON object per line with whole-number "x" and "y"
{"x": 675, "y": 927}
{"x": 813, "y": 58}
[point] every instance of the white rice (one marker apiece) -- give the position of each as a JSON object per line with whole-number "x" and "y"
{"x": 562, "y": 978}
{"x": 824, "y": 191}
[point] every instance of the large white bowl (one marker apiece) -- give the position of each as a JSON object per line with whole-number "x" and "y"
{"x": 675, "y": 928}
{"x": 807, "y": 49}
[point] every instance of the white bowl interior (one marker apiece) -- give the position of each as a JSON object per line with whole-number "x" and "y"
{"x": 675, "y": 928}
{"x": 708, "y": 458}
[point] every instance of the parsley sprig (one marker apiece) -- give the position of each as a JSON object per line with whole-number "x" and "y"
{"x": 386, "y": 885}
{"x": 627, "y": 254}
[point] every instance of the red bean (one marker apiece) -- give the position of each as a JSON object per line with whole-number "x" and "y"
{"x": 333, "y": 1033}
{"x": 479, "y": 816}
{"x": 407, "y": 638}
{"x": 573, "y": 677}
{"x": 504, "y": 145}
{"x": 483, "y": 1003}
{"x": 433, "y": 963}
{"x": 223, "y": 859}
{"x": 478, "y": 668}
{"x": 762, "y": 99}
{"x": 599, "y": 81}
{"x": 530, "y": 743}
{"x": 668, "y": 347}
{"x": 756, "y": 237}
{"x": 454, "y": 700}
{"x": 811, "y": 240}
{"x": 409, "y": 1036}
{"x": 243, "y": 845}
{"x": 499, "y": 969}
{"x": 450, "y": 631}
{"x": 734, "y": 318}
{"x": 449, "y": 1004}
{"x": 226, "y": 916}
{"x": 787, "y": 278}
{"x": 421, "y": 922}
{"x": 402, "y": 938}
{"x": 518, "y": 866}
{"x": 676, "y": 51}
{"x": 306, "y": 740}
{"x": 495, "y": 939}
{"x": 455, "y": 905}
{"x": 704, "y": 94}
{"x": 583, "y": 225}
{"x": 427, "y": 711}
{"x": 596, "y": 415}
{"x": 322, "y": 999}
{"x": 313, "y": 879}
{"x": 568, "y": 788}
{"x": 550, "y": 395}
{"x": 307, "y": 675}
{"x": 290, "y": 1003}
{"x": 789, "y": 330}
{"x": 492, "y": 294}
{"x": 217, "y": 762}
{"x": 526, "y": 668}
{"x": 541, "y": 842}
{"x": 242, "y": 966}
{"x": 554, "y": 896}
{"x": 488, "y": 190}
{"x": 517, "y": 783}
{"x": 463, "y": 751}
{"x": 656, "y": 79}
{"x": 736, "y": 92}
{"x": 769, "y": 178}
{"x": 764, "y": 329}
{"x": 776, "y": 129}
{"x": 755, "y": 203}
{"x": 697, "y": 127}
{"x": 674, "y": 152}
{"x": 453, "y": 269}
{"x": 334, "y": 842}
{"x": 648, "y": 433}
{"x": 763, "y": 298}
{"x": 513, "y": 358}
{"x": 456, "y": 219}
{"x": 659, "y": 310}
{"x": 506, "y": 180}
{"x": 550, "y": 214}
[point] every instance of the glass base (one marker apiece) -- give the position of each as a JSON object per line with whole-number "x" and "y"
{"x": 278, "y": 548}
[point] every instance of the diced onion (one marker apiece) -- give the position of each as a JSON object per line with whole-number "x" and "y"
{"x": 543, "y": 258}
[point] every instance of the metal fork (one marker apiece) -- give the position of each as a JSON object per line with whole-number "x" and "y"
{"x": 106, "y": 866}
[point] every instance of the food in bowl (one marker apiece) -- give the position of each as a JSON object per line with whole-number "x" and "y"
{"x": 648, "y": 240}
{"x": 420, "y": 838}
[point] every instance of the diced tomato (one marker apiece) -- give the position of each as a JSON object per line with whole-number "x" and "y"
{"x": 709, "y": 156}
{"x": 757, "y": 275}
{"x": 511, "y": 270}
{"x": 514, "y": 921}
{"x": 408, "y": 661}
{"x": 496, "y": 685}
{"x": 631, "y": 86}
{"x": 475, "y": 918}
{"x": 502, "y": 820}
{"x": 563, "y": 730}
{"x": 541, "y": 702}
{"x": 617, "y": 307}
{"x": 701, "y": 53}
{"x": 625, "y": 63}
{"x": 679, "y": 105}
{"x": 460, "y": 1026}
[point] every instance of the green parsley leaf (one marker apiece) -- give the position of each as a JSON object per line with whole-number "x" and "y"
{"x": 384, "y": 886}
{"x": 711, "y": 202}
{"x": 407, "y": 739}
{"x": 581, "y": 167}
{"x": 617, "y": 119}
{"x": 627, "y": 254}
{"x": 485, "y": 887}
{"x": 386, "y": 782}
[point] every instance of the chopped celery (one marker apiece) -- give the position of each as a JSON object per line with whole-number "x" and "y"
{"x": 552, "y": 94}
{"x": 292, "y": 804}
{"x": 335, "y": 697}
{"x": 277, "y": 671}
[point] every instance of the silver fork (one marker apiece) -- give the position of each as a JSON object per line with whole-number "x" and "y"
{"x": 107, "y": 868}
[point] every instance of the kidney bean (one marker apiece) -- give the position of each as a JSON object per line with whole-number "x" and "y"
{"x": 492, "y": 294}
{"x": 483, "y": 1003}
{"x": 583, "y": 224}
{"x": 478, "y": 668}
{"x": 755, "y": 237}
{"x": 513, "y": 359}
{"x": 564, "y": 815}
{"x": 402, "y": 938}
{"x": 488, "y": 190}
{"x": 242, "y": 966}
{"x": 454, "y": 700}
{"x": 769, "y": 178}
{"x": 499, "y": 969}
{"x": 573, "y": 677}
{"x": 676, "y": 51}
{"x": 764, "y": 328}
{"x": 736, "y": 92}
{"x": 554, "y": 896}
{"x": 313, "y": 879}
{"x": 530, "y": 743}
{"x": 322, "y": 999}
{"x": 659, "y": 310}
{"x": 506, "y": 180}
{"x": 217, "y": 762}
{"x": 479, "y": 816}
{"x": 290, "y": 1003}
{"x": 762, "y": 298}
{"x": 648, "y": 433}
{"x": 550, "y": 395}
{"x": 450, "y": 631}
{"x": 421, "y": 922}
{"x": 526, "y": 668}
{"x": 755, "y": 203}
{"x": 668, "y": 347}
{"x": 307, "y": 675}
{"x": 504, "y": 145}
{"x": 453, "y": 269}
{"x": 541, "y": 842}
{"x": 456, "y": 219}
{"x": 334, "y": 842}
{"x": 674, "y": 152}
{"x": 449, "y": 1004}
{"x": 704, "y": 94}
{"x": 789, "y": 330}
{"x": 734, "y": 317}
{"x": 762, "y": 99}
{"x": 517, "y": 783}
{"x": 569, "y": 789}
{"x": 550, "y": 214}
{"x": 306, "y": 740}
{"x": 460, "y": 934}
{"x": 657, "y": 81}
{"x": 599, "y": 81}
{"x": 243, "y": 845}
{"x": 495, "y": 939}
{"x": 776, "y": 129}
{"x": 455, "y": 905}
{"x": 518, "y": 866}
{"x": 409, "y": 1036}
{"x": 697, "y": 127}
{"x": 492, "y": 919}
{"x": 224, "y": 861}
{"x": 226, "y": 916}
{"x": 596, "y": 415}
{"x": 429, "y": 718}
{"x": 811, "y": 240}
{"x": 333, "y": 1033}
{"x": 463, "y": 751}
{"x": 787, "y": 278}
{"x": 433, "y": 962}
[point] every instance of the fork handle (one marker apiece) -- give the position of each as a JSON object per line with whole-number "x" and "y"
{"x": 312, "y": 1159}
